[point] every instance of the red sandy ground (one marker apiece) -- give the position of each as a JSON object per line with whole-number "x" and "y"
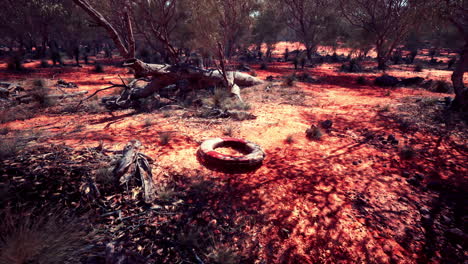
{"x": 306, "y": 191}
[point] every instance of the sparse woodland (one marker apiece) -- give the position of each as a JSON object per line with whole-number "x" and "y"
{"x": 356, "y": 112}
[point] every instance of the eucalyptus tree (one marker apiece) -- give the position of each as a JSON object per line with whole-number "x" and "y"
{"x": 387, "y": 22}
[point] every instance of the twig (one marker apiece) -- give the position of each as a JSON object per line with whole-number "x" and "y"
{"x": 122, "y": 80}
{"x": 96, "y": 92}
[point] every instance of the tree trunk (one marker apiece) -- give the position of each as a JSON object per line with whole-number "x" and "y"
{"x": 461, "y": 92}
{"x": 381, "y": 63}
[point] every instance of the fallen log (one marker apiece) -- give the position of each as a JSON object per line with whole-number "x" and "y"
{"x": 164, "y": 75}
{"x": 185, "y": 71}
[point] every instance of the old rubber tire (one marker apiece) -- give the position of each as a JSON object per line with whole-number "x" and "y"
{"x": 209, "y": 156}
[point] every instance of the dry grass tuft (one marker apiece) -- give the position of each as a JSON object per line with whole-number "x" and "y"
{"x": 50, "y": 237}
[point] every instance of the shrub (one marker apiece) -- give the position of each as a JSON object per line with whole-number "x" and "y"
{"x": 105, "y": 176}
{"x": 441, "y": 86}
{"x": 314, "y": 133}
{"x": 352, "y": 66}
{"x": 305, "y": 77}
{"x": 386, "y": 81}
{"x": 289, "y": 139}
{"x": 228, "y": 131}
{"x": 418, "y": 68}
{"x": 40, "y": 93}
{"x": 15, "y": 63}
{"x": 147, "y": 122}
{"x": 166, "y": 194}
{"x": 407, "y": 152}
{"x": 70, "y": 108}
{"x": 289, "y": 80}
{"x": 219, "y": 97}
{"x": 234, "y": 104}
{"x": 4, "y": 131}
{"x": 44, "y": 64}
{"x": 165, "y": 138}
{"x": 98, "y": 68}
{"x": 9, "y": 147}
{"x": 223, "y": 255}
{"x": 15, "y": 113}
{"x": 361, "y": 80}
{"x": 451, "y": 62}
{"x": 49, "y": 237}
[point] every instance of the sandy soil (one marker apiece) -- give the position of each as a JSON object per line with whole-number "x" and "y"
{"x": 342, "y": 199}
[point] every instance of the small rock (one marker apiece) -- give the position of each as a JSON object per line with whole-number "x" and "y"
{"x": 355, "y": 163}
{"x": 405, "y": 174}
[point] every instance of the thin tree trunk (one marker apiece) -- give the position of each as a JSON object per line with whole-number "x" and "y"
{"x": 461, "y": 92}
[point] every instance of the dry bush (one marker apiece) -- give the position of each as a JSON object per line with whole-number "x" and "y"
{"x": 4, "y": 131}
{"x": 147, "y": 122}
{"x": 50, "y": 237}
{"x": 9, "y": 147}
{"x": 105, "y": 176}
{"x": 15, "y": 113}
{"x": 221, "y": 254}
{"x": 235, "y": 104}
{"x": 165, "y": 138}
{"x": 94, "y": 107}
{"x": 98, "y": 68}
{"x": 418, "y": 68}
{"x": 361, "y": 80}
{"x": 441, "y": 86}
{"x": 40, "y": 92}
{"x": 219, "y": 97}
{"x": 15, "y": 63}
{"x": 289, "y": 80}
{"x": 44, "y": 64}
{"x": 314, "y": 133}
{"x": 289, "y": 139}
{"x": 228, "y": 131}
{"x": 407, "y": 152}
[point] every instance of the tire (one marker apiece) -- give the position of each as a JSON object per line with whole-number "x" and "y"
{"x": 253, "y": 157}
